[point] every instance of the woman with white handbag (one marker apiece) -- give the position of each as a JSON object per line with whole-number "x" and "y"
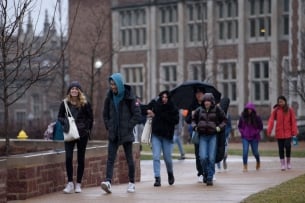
{"x": 76, "y": 105}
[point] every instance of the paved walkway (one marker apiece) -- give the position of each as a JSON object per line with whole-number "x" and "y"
{"x": 231, "y": 186}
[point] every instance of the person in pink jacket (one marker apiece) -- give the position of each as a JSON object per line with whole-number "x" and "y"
{"x": 285, "y": 129}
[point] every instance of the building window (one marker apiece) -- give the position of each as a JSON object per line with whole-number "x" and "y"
{"x": 196, "y": 21}
{"x": 259, "y": 19}
{"x": 20, "y": 117}
{"x": 36, "y": 105}
{"x": 228, "y": 80}
{"x": 168, "y": 77}
{"x": 285, "y": 18}
{"x": 134, "y": 77}
{"x": 133, "y": 27}
{"x": 197, "y": 71}
{"x": 260, "y": 80}
{"x": 168, "y": 22}
{"x": 227, "y": 20}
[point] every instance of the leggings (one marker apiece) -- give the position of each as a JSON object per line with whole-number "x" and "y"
{"x": 284, "y": 144}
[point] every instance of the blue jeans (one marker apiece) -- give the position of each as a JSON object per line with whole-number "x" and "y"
{"x": 166, "y": 145}
{"x": 177, "y": 139}
{"x": 112, "y": 152}
{"x": 254, "y": 148}
{"x": 207, "y": 154}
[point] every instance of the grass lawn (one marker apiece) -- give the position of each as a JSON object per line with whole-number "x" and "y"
{"x": 291, "y": 191}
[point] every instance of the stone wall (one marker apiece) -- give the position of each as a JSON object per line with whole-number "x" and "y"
{"x": 38, "y": 173}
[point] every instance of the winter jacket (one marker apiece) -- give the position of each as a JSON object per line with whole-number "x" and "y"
{"x": 205, "y": 120}
{"x": 248, "y": 130}
{"x": 286, "y": 124}
{"x": 83, "y": 117}
{"x": 165, "y": 119}
{"x": 120, "y": 121}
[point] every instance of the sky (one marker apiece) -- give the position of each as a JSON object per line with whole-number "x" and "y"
{"x": 38, "y": 8}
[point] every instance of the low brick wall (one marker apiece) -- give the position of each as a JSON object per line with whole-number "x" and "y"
{"x": 3, "y": 177}
{"x": 43, "y": 172}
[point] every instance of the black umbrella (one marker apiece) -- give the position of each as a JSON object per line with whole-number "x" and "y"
{"x": 184, "y": 94}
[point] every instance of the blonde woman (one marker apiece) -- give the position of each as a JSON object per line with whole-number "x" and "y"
{"x": 82, "y": 113}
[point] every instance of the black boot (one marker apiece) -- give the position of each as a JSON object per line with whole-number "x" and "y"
{"x": 157, "y": 182}
{"x": 171, "y": 178}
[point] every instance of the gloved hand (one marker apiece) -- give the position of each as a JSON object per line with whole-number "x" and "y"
{"x": 218, "y": 129}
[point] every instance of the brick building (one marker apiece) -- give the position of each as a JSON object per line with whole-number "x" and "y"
{"x": 246, "y": 48}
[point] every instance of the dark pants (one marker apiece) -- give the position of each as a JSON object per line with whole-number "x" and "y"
{"x": 282, "y": 145}
{"x": 198, "y": 162}
{"x": 81, "y": 150}
{"x": 112, "y": 152}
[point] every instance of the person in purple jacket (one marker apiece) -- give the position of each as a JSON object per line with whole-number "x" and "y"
{"x": 250, "y": 125}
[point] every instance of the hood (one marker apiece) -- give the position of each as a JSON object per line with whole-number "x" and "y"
{"x": 250, "y": 106}
{"x": 118, "y": 80}
{"x": 209, "y": 97}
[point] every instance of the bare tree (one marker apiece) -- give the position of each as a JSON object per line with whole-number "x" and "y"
{"x": 21, "y": 66}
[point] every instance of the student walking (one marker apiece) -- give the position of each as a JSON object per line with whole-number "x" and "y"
{"x": 199, "y": 93}
{"x": 285, "y": 129}
{"x": 121, "y": 113}
{"x": 83, "y": 115}
{"x": 208, "y": 120}
{"x": 165, "y": 116}
{"x": 250, "y": 125}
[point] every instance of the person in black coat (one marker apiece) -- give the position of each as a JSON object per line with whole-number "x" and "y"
{"x": 165, "y": 115}
{"x": 83, "y": 115}
{"x": 121, "y": 113}
{"x": 199, "y": 93}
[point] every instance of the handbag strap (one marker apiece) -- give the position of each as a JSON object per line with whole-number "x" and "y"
{"x": 68, "y": 112}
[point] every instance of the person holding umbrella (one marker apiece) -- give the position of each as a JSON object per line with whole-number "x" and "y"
{"x": 199, "y": 93}
{"x": 165, "y": 116}
{"x": 208, "y": 120}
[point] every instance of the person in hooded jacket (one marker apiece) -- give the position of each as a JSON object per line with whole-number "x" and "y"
{"x": 285, "y": 129}
{"x": 208, "y": 120}
{"x": 250, "y": 125}
{"x": 121, "y": 113}
{"x": 83, "y": 115}
{"x": 165, "y": 115}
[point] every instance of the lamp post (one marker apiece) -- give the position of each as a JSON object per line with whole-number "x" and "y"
{"x": 96, "y": 65}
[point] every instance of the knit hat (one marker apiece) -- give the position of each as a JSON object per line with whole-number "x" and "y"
{"x": 74, "y": 84}
{"x": 209, "y": 97}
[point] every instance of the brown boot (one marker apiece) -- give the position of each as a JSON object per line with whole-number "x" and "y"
{"x": 245, "y": 168}
{"x": 258, "y": 165}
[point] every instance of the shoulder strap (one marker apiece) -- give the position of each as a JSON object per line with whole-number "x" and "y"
{"x": 68, "y": 112}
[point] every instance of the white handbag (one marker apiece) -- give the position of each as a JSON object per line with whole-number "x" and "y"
{"x": 72, "y": 134}
{"x": 146, "y": 134}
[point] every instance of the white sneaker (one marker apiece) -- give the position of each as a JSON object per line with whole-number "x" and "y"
{"x": 131, "y": 187}
{"x": 69, "y": 188}
{"x": 200, "y": 179}
{"x": 106, "y": 186}
{"x": 78, "y": 188}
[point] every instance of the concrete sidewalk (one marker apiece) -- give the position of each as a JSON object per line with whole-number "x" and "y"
{"x": 231, "y": 186}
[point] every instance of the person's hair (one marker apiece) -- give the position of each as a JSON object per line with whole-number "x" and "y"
{"x": 250, "y": 118}
{"x": 81, "y": 98}
{"x": 286, "y": 107}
